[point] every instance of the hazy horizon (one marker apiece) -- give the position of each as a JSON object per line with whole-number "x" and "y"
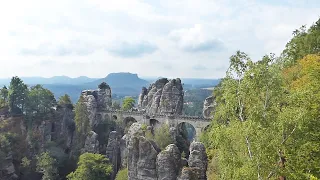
{"x": 150, "y": 38}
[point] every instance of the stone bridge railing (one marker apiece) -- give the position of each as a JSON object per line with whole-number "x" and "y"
{"x": 161, "y": 115}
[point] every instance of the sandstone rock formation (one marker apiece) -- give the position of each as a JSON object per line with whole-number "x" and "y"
{"x": 91, "y": 144}
{"x": 208, "y": 107}
{"x": 113, "y": 153}
{"x": 198, "y": 160}
{"x": 187, "y": 174}
{"x": 169, "y": 163}
{"x": 97, "y": 100}
{"x": 141, "y": 155}
{"x": 8, "y": 170}
{"x": 163, "y": 96}
{"x": 147, "y": 162}
{"x": 64, "y": 126}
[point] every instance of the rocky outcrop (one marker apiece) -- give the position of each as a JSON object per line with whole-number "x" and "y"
{"x": 64, "y": 126}
{"x": 91, "y": 144}
{"x": 97, "y": 101}
{"x": 113, "y": 153}
{"x": 198, "y": 160}
{"x": 141, "y": 155}
{"x": 7, "y": 168}
{"x": 169, "y": 163}
{"x": 188, "y": 174}
{"x": 163, "y": 96}
{"x": 209, "y": 107}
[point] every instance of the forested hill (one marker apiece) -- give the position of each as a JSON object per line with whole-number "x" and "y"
{"x": 267, "y": 115}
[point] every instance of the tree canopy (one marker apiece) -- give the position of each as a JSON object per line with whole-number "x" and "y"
{"x": 65, "y": 100}
{"x": 91, "y": 166}
{"x": 266, "y": 120}
{"x": 17, "y": 95}
{"x": 47, "y": 166}
{"x": 128, "y": 103}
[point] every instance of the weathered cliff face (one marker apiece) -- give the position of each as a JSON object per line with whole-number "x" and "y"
{"x": 163, "y": 96}
{"x": 8, "y": 170}
{"x": 113, "y": 152}
{"x": 97, "y": 101}
{"x": 169, "y": 163}
{"x": 208, "y": 107}
{"x": 64, "y": 126}
{"x": 147, "y": 162}
{"x": 141, "y": 156}
{"x": 198, "y": 160}
{"x": 91, "y": 144}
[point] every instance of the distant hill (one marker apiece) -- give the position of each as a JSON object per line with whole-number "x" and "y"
{"x": 122, "y": 84}
{"x": 127, "y": 80}
{"x": 51, "y": 80}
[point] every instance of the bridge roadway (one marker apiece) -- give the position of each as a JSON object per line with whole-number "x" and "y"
{"x": 199, "y": 123}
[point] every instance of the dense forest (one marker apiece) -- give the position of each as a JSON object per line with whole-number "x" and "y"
{"x": 267, "y": 117}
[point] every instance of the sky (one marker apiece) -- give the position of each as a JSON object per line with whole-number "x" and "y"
{"x": 180, "y": 38}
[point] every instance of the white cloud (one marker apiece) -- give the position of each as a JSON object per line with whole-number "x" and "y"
{"x": 162, "y": 38}
{"x": 196, "y": 39}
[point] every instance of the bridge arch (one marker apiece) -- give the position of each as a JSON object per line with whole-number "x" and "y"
{"x": 188, "y": 130}
{"x": 154, "y": 123}
{"x": 128, "y": 121}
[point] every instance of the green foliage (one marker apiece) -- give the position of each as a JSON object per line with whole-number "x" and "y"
{"x": 40, "y": 101}
{"x": 144, "y": 127}
{"x": 17, "y": 95}
{"x": 304, "y": 42}
{"x": 266, "y": 120}
{"x": 65, "y": 100}
{"x": 103, "y": 85}
{"x": 122, "y": 174}
{"x": 4, "y": 148}
{"x": 161, "y": 136}
{"x": 4, "y": 96}
{"x": 82, "y": 118}
{"x": 91, "y": 166}
{"x": 47, "y": 166}
{"x": 128, "y": 103}
{"x": 25, "y": 162}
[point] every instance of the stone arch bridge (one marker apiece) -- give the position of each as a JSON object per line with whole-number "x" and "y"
{"x": 198, "y": 123}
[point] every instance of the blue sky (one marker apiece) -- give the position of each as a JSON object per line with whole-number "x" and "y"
{"x": 181, "y": 38}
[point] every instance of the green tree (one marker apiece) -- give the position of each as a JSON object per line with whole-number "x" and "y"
{"x": 82, "y": 119}
{"x": 122, "y": 174}
{"x": 4, "y": 93}
{"x": 65, "y": 100}
{"x": 91, "y": 166}
{"x": 300, "y": 119}
{"x": 47, "y": 166}
{"x": 40, "y": 101}
{"x": 161, "y": 136}
{"x": 128, "y": 103}
{"x": 245, "y": 131}
{"x": 103, "y": 85}
{"x": 304, "y": 42}
{"x": 17, "y": 95}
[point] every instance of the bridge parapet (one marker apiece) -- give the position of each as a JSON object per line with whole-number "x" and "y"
{"x": 193, "y": 118}
{"x": 160, "y": 115}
